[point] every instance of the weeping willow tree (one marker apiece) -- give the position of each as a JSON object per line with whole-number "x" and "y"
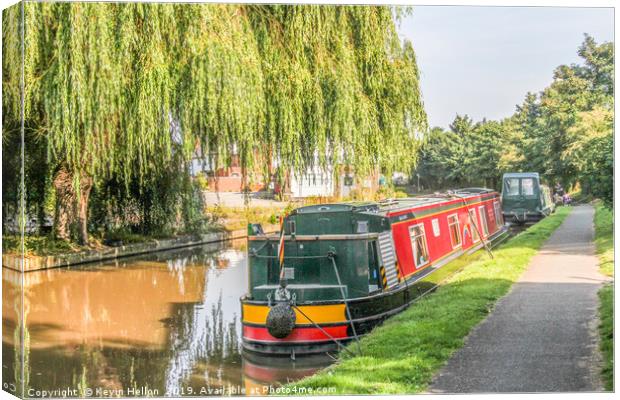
{"x": 126, "y": 92}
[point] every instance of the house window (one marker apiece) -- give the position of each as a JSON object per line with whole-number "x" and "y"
{"x": 455, "y": 230}
{"x": 473, "y": 222}
{"x": 418, "y": 244}
{"x": 483, "y": 220}
{"x": 498, "y": 214}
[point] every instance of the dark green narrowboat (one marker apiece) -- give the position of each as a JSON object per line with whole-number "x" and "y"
{"x": 525, "y": 198}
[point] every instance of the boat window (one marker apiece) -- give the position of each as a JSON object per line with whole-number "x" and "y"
{"x": 455, "y": 230}
{"x": 498, "y": 213}
{"x": 511, "y": 186}
{"x": 374, "y": 278}
{"x": 474, "y": 226}
{"x": 362, "y": 226}
{"x": 436, "y": 230}
{"x": 418, "y": 244}
{"x": 483, "y": 220}
{"x": 527, "y": 187}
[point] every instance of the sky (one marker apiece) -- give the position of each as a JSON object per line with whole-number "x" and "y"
{"x": 482, "y": 61}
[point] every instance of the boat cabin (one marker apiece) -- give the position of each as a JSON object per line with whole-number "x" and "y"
{"x": 525, "y": 198}
{"x": 375, "y": 246}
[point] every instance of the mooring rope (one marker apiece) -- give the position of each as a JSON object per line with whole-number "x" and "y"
{"x": 322, "y": 330}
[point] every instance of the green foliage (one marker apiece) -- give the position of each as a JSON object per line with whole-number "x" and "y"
{"x": 202, "y": 181}
{"x": 593, "y": 152}
{"x": 39, "y": 245}
{"x": 238, "y": 218}
{"x": 606, "y": 331}
{"x": 468, "y": 154}
{"x": 604, "y": 240}
{"x": 440, "y": 159}
{"x": 126, "y": 93}
{"x": 431, "y": 329}
{"x": 565, "y": 133}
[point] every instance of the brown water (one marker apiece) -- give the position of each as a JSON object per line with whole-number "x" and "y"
{"x": 167, "y": 323}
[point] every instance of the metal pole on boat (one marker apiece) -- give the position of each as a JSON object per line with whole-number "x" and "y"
{"x": 281, "y": 254}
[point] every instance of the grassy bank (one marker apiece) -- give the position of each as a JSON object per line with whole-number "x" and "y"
{"x": 603, "y": 223}
{"x": 402, "y": 355}
{"x": 39, "y": 245}
{"x": 604, "y": 238}
{"x": 48, "y": 246}
{"x": 235, "y": 218}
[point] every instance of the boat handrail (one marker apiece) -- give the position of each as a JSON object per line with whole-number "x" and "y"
{"x": 255, "y": 254}
{"x": 346, "y": 236}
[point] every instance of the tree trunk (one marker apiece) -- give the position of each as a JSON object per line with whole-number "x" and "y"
{"x": 86, "y": 184}
{"x": 71, "y": 214}
{"x": 65, "y": 200}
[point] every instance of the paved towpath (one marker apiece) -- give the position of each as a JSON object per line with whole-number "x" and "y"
{"x": 542, "y": 336}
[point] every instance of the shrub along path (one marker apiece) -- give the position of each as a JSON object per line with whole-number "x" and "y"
{"x": 543, "y": 336}
{"x": 402, "y": 355}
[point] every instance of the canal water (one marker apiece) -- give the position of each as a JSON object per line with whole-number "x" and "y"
{"x": 167, "y": 323}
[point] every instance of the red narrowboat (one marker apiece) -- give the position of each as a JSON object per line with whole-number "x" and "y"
{"x": 337, "y": 270}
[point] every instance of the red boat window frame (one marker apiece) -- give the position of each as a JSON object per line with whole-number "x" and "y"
{"x": 422, "y": 236}
{"x": 483, "y": 220}
{"x": 473, "y": 221}
{"x": 451, "y": 224}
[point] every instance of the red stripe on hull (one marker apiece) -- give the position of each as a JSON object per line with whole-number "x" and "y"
{"x": 298, "y": 335}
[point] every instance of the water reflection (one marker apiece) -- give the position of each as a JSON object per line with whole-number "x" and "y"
{"x": 162, "y": 324}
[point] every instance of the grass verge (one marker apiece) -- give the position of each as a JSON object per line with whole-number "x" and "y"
{"x": 38, "y": 245}
{"x": 48, "y": 246}
{"x": 603, "y": 224}
{"x": 604, "y": 238}
{"x": 606, "y": 330}
{"x": 402, "y": 355}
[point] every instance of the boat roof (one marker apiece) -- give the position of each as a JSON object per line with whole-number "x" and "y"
{"x": 521, "y": 175}
{"x": 394, "y": 205}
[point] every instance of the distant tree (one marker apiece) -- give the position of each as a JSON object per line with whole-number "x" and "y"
{"x": 462, "y": 125}
{"x": 565, "y": 133}
{"x": 592, "y": 152}
{"x": 598, "y": 66}
{"x": 468, "y": 154}
{"x": 546, "y": 125}
{"x": 438, "y": 159}
{"x": 485, "y": 145}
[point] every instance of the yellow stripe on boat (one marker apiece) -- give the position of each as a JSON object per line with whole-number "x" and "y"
{"x": 323, "y": 314}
